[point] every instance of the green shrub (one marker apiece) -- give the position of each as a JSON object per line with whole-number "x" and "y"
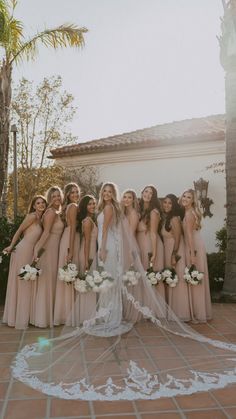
{"x": 216, "y": 267}
{"x": 7, "y": 230}
{"x": 221, "y": 239}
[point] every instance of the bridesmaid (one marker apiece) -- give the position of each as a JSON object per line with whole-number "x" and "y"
{"x": 68, "y": 252}
{"x": 129, "y": 208}
{"x": 53, "y": 227}
{"x": 88, "y": 233}
{"x": 148, "y": 238}
{"x": 174, "y": 256}
{"x": 19, "y": 292}
{"x": 200, "y": 299}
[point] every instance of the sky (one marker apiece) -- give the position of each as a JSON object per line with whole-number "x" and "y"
{"x": 145, "y": 62}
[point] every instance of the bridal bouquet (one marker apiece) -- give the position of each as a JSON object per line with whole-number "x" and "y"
{"x": 68, "y": 273}
{"x": 192, "y": 276}
{"x": 97, "y": 280}
{"x": 131, "y": 277}
{"x": 170, "y": 277}
{"x": 29, "y": 272}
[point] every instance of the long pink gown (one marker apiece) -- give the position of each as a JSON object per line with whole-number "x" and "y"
{"x": 64, "y": 310}
{"x": 48, "y": 262}
{"x": 177, "y": 297}
{"x": 145, "y": 246}
{"x": 200, "y": 298}
{"x": 19, "y": 297}
{"x": 87, "y": 301}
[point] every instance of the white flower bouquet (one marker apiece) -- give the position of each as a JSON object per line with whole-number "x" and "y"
{"x": 68, "y": 273}
{"x": 97, "y": 280}
{"x": 29, "y": 272}
{"x": 131, "y": 277}
{"x": 169, "y": 276}
{"x": 153, "y": 277}
{"x": 192, "y": 276}
{"x": 2, "y": 255}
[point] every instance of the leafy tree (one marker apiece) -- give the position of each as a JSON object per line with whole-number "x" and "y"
{"x": 14, "y": 48}
{"x": 228, "y": 61}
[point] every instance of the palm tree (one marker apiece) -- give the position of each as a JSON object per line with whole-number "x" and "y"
{"x": 228, "y": 61}
{"x": 13, "y": 49}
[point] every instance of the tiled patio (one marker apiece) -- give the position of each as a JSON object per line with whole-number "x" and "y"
{"x": 18, "y": 401}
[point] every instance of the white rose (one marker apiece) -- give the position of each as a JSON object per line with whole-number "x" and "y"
{"x": 186, "y": 271}
{"x": 27, "y": 276}
{"x": 104, "y": 274}
{"x": 152, "y": 275}
{"x": 159, "y": 276}
{"x": 72, "y": 267}
{"x": 33, "y": 277}
{"x": 194, "y": 274}
{"x": 125, "y": 278}
{"x": 200, "y": 276}
{"x": 27, "y": 268}
{"x": 138, "y": 275}
{"x": 98, "y": 279}
{"x": 172, "y": 284}
{"x": 153, "y": 281}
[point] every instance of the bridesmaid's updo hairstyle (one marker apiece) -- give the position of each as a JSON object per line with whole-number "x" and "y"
{"x": 34, "y": 199}
{"x": 195, "y": 205}
{"x": 176, "y": 211}
{"x": 51, "y": 191}
{"x": 66, "y": 201}
{"x": 114, "y": 199}
{"x": 82, "y": 213}
{"x": 153, "y": 204}
{"x": 135, "y": 200}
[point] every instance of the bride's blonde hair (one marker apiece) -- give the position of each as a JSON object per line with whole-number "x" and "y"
{"x": 195, "y": 206}
{"x": 114, "y": 199}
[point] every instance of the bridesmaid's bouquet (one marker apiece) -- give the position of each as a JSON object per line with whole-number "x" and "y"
{"x": 68, "y": 273}
{"x": 153, "y": 277}
{"x": 131, "y": 277}
{"x": 169, "y": 276}
{"x": 31, "y": 272}
{"x": 97, "y": 281}
{"x": 192, "y": 276}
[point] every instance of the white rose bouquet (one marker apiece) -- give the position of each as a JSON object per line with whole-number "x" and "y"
{"x": 192, "y": 276}
{"x": 169, "y": 276}
{"x": 131, "y": 277}
{"x": 97, "y": 280}
{"x": 68, "y": 273}
{"x": 31, "y": 272}
{"x": 153, "y": 277}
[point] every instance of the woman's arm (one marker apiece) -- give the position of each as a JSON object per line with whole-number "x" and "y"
{"x": 29, "y": 219}
{"x": 190, "y": 223}
{"x": 48, "y": 220}
{"x": 133, "y": 221}
{"x": 154, "y": 222}
{"x": 176, "y": 231}
{"x": 108, "y": 214}
{"x": 71, "y": 221}
{"x": 87, "y": 230}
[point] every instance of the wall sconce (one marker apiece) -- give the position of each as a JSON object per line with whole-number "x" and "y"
{"x": 201, "y": 189}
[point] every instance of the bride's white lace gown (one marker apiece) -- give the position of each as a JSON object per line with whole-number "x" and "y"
{"x": 99, "y": 361}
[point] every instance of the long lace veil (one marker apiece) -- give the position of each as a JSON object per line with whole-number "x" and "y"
{"x": 110, "y": 358}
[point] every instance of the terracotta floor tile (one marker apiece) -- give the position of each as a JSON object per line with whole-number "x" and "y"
{"x": 205, "y": 414}
{"x": 22, "y": 409}
{"x": 21, "y": 391}
{"x": 6, "y": 359}
{"x": 231, "y": 412}
{"x": 10, "y": 337}
{"x": 167, "y": 415}
{"x": 5, "y": 373}
{"x": 113, "y": 407}
{"x": 64, "y": 408}
{"x": 226, "y": 396}
{"x": 3, "y": 389}
{"x": 114, "y": 416}
{"x": 194, "y": 401}
{"x": 155, "y": 405}
{"x": 6, "y": 347}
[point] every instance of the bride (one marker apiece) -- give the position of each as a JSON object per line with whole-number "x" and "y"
{"x": 108, "y": 358}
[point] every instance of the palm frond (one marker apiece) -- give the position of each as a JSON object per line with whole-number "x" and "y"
{"x": 4, "y": 20}
{"x": 59, "y": 37}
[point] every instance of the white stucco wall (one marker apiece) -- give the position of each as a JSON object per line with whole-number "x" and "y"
{"x": 170, "y": 169}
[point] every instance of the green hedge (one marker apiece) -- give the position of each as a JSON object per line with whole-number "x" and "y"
{"x": 216, "y": 267}
{"x": 7, "y": 230}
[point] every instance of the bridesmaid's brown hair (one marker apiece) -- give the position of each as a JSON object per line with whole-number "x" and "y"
{"x": 34, "y": 199}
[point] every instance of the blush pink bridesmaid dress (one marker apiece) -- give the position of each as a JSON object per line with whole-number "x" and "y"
{"x": 19, "y": 298}
{"x": 145, "y": 246}
{"x": 177, "y": 297}
{"x": 64, "y": 310}
{"x": 200, "y": 298}
{"x": 87, "y": 301}
{"x": 48, "y": 262}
